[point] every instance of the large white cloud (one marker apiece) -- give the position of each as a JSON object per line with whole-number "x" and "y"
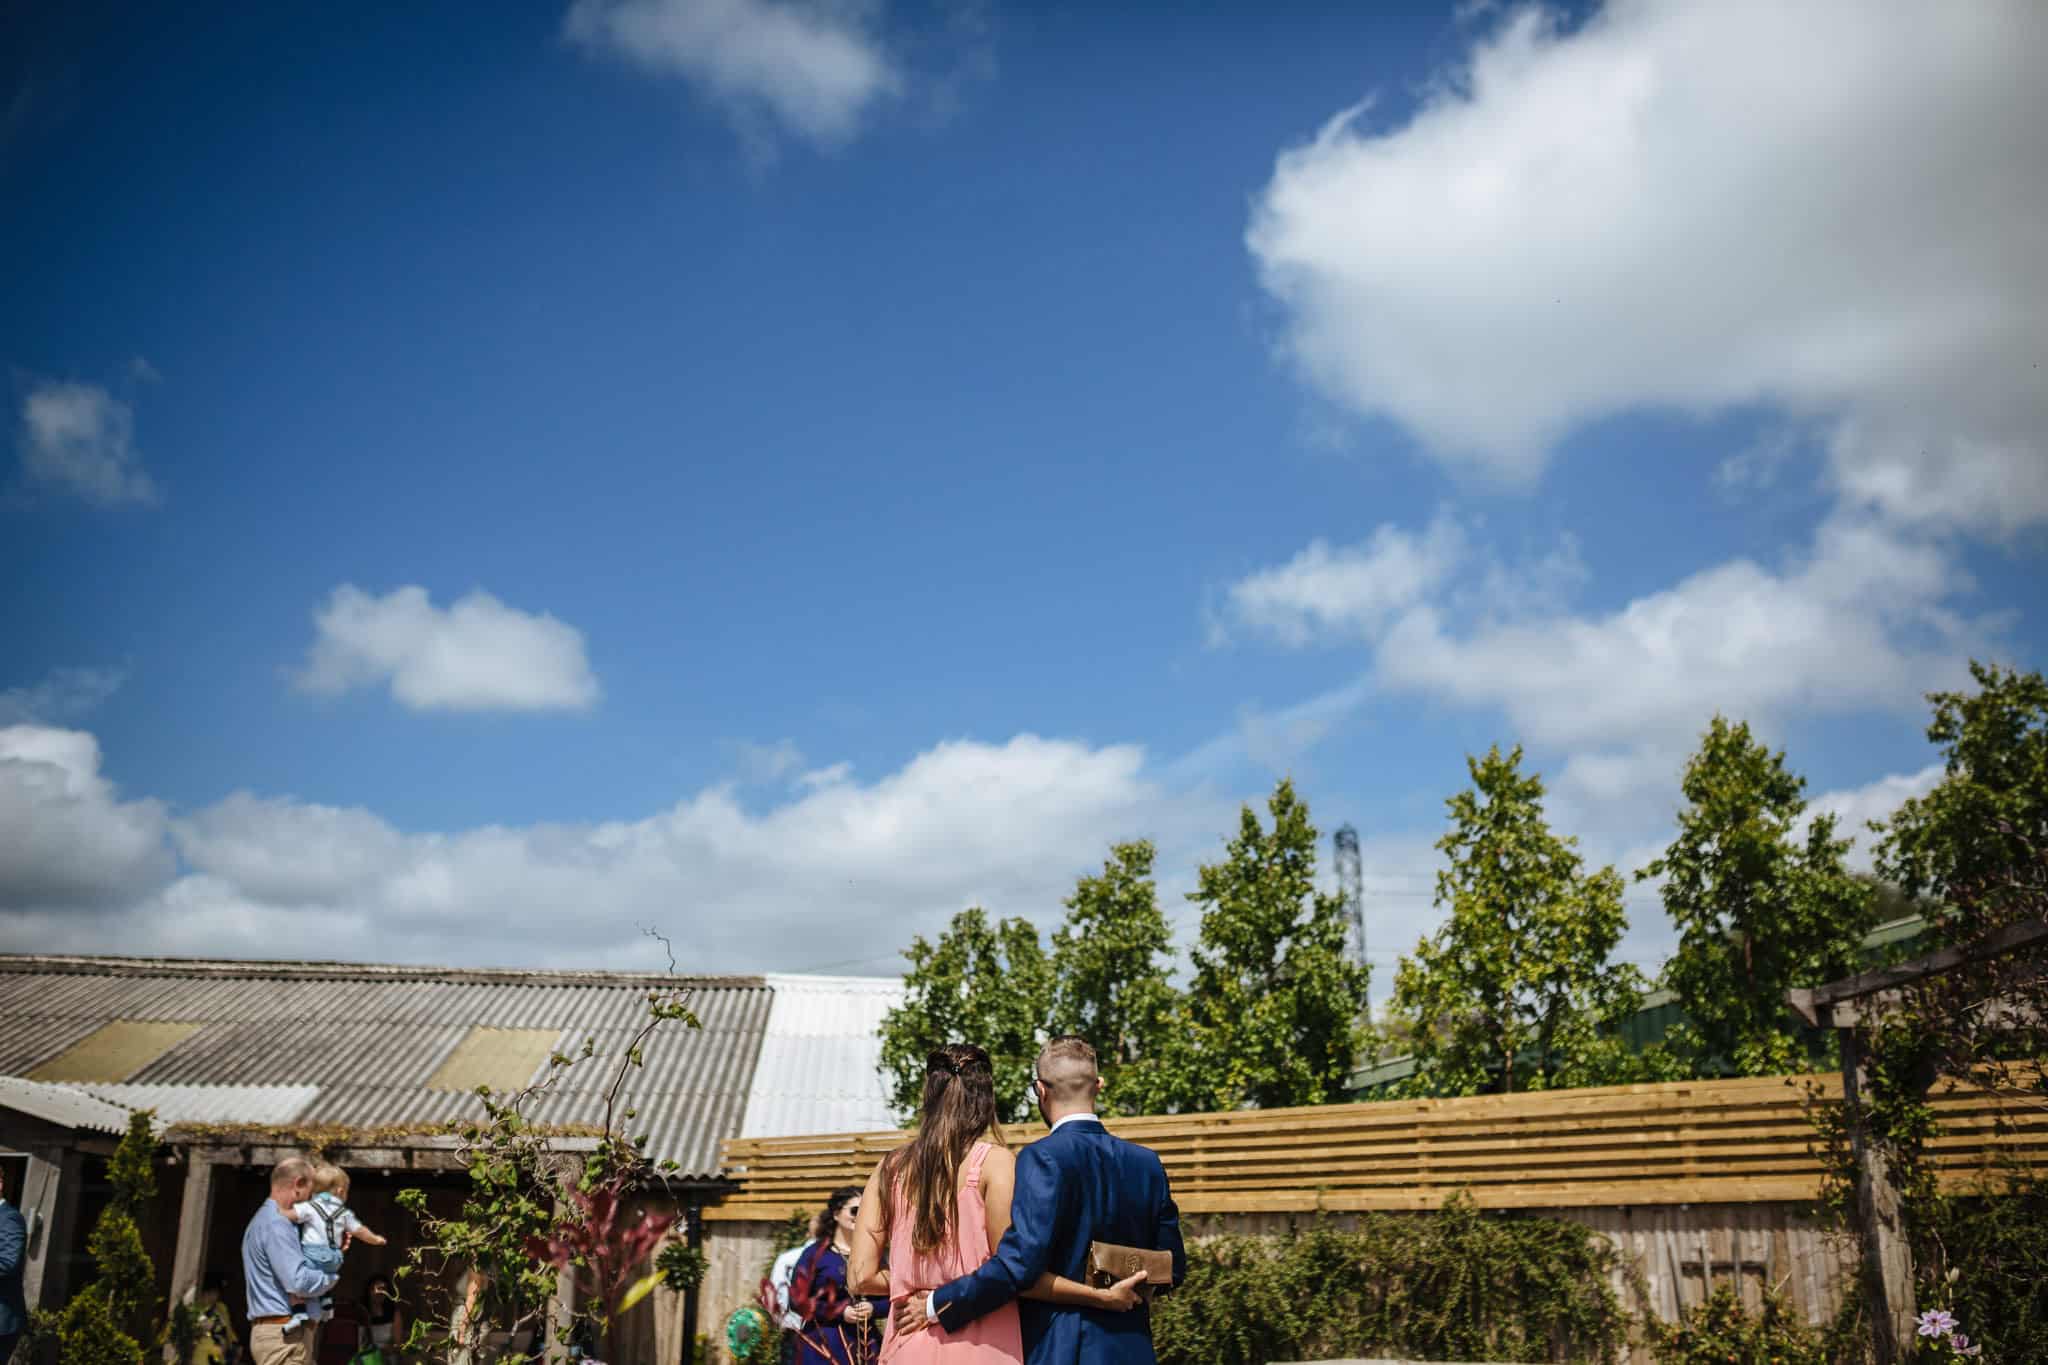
{"x": 67, "y": 841}
{"x": 835, "y": 872}
{"x": 815, "y": 67}
{"x": 1699, "y": 206}
{"x": 475, "y": 655}
{"x": 1864, "y": 621}
{"x": 81, "y": 438}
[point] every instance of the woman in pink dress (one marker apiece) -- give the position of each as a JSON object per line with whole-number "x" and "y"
{"x": 935, "y": 1209}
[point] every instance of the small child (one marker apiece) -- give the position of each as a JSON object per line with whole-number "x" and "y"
{"x": 325, "y": 1221}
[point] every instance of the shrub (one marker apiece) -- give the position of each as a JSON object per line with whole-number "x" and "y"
{"x": 1454, "y": 1285}
{"x": 106, "y": 1322}
{"x": 87, "y": 1333}
{"x": 1719, "y": 1331}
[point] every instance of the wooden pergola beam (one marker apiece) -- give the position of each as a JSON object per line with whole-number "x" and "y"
{"x": 1834, "y": 1005}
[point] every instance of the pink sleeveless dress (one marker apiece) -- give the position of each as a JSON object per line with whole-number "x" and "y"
{"x": 994, "y": 1339}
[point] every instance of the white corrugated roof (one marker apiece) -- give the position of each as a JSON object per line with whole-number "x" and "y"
{"x": 62, "y": 1105}
{"x": 821, "y": 1057}
{"x": 175, "y": 1103}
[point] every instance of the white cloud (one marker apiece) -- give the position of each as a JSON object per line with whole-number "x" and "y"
{"x": 81, "y": 438}
{"x": 63, "y": 694}
{"x": 67, "y": 842}
{"x": 1854, "y": 808}
{"x": 1863, "y": 622}
{"x": 476, "y": 655}
{"x": 1348, "y": 591}
{"x": 1610, "y": 703}
{"x": 840, "y": 872}
{"x": 814, "y": 67}
{"x": 1698, "y": 206}
{"x": 765, "y": 763}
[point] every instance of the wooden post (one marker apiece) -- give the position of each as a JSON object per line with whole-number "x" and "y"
{"x": 1887, "y": 1258}
{"x": 562, "y": 1307}
{"x": 693, "y": 1236}
{"x": 55, "y": 1177}
{"x": 195, "y": 1225}
{"x": 36, "y": 1199}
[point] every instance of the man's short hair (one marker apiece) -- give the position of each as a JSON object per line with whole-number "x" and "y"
{"x": 1067, "y": 1067}
{"x": 290, "y": 1171}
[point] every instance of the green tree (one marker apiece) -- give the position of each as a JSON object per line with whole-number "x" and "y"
{"x": 1272, "y": 1014}
{"x": 1515, "y": 991}
{"x": 1991, "y": 806}
{"x": 1759, "y": 905}
{"x": 107, "y": 1321}
{"x": 1110, "y": 965}
{"x": 980, "y": 983}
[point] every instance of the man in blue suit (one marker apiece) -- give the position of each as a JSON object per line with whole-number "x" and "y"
{"x": 1075, "y": 1185}
{"x": 13, "y": 1261}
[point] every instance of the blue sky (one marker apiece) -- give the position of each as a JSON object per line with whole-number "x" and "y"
{"x": 483, "y": 482}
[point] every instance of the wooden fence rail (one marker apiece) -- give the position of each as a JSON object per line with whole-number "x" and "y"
{"x": 1690, "y": 1142}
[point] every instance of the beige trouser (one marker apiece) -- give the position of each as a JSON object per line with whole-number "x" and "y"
{"x": 270, "y": 1344}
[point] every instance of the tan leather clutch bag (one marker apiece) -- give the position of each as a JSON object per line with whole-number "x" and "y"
{"x": 1108, "y": 1263}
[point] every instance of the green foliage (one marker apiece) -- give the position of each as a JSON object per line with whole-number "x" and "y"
{"x": 1455, "y": 1285}
{"x": 1995, "y": 1250}
{"x": 1719, "y": 1331}
{"x": 123, "y": 1275}
{"x": 132, "y": 1169}
{"x": 1978, "y": 846}
{"x": 1993, "y": 796}
{"x": 988, "y": 984}
{"x": 1272, "y": 1014}
{"x": 181, "y": 1333}
{"x": 1758, "y": 907}
{"x": 1110, "y": 964}
{"x": 89, "y": 1332}
{"x": 681, "y": 1265}
{"x": 1516, "y": 991}
{"x": 795, "y": 1231}
{"x": 106, "y": 1321}
{"x": 516, "y": 1183}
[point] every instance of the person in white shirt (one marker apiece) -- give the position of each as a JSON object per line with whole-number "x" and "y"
{"x": 786, "y": 1318}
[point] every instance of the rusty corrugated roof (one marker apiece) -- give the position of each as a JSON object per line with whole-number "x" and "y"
{"x": 370, "y": 1038}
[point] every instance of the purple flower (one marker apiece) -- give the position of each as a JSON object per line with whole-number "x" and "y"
{"x": 1937, "y": 1322}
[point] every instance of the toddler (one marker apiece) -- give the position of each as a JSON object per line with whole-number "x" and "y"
{"x": 325, "y": 1221}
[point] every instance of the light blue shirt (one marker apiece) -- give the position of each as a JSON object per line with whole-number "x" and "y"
{"x": 274, "y": 1265}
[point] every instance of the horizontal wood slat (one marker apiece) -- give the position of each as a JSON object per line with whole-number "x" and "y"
{"x": 1690, "y": 1142}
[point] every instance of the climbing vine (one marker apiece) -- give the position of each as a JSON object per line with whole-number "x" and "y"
{"x": 1458, "y": 1284}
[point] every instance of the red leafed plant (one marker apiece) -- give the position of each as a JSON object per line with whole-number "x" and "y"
{"x": 601, "y": 1243}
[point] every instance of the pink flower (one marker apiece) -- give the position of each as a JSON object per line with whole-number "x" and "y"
{"x": 1937, "y": 1322}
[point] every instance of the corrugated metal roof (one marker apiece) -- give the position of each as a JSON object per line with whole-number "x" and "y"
{"x": 251, "y": 1104}
{"x": 821, "y": 1058}
{"x": 365, "y": 1040}
{"x": 61, "y": 1105}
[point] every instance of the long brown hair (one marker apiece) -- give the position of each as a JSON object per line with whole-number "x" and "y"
{"x": 959, "y": 1110}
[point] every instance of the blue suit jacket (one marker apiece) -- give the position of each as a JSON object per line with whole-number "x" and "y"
{"x": 13, "y": 1261}
{"x": 1075, "y": 1185}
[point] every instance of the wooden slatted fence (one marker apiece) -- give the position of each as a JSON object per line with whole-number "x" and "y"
{"x": 1691, "y": 1142}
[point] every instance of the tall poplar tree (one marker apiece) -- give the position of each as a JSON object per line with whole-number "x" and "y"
{"x": 1111, "y": 961}
{"x": 1760, "y": 904}
{"x": 982, "y": 983}
{"x": 1273, "y": 1010}
{"x": 1515, "y": 991}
